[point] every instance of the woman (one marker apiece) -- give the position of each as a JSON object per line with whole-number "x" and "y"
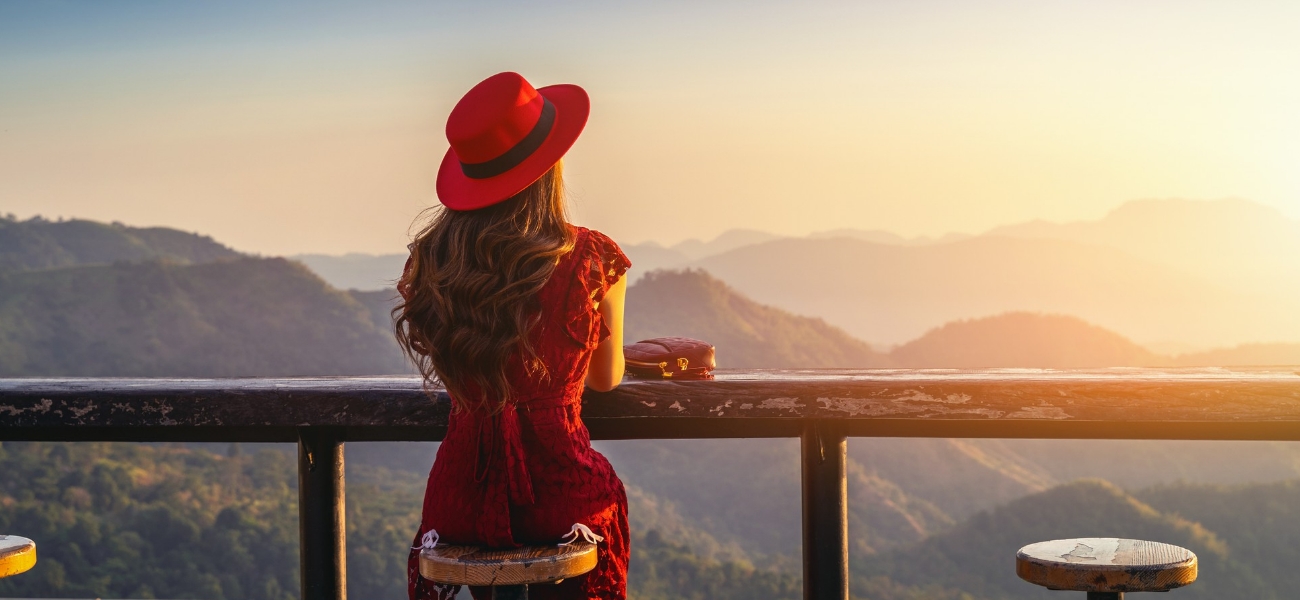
{"x": 514, "y": 310}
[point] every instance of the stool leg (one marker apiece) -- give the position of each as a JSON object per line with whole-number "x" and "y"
{"x": 1105, "y": 595}
{"x": 510, "y": 592}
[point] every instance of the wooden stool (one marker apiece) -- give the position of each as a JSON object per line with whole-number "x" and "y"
{"x": 1106, "y": 567}
{"x": 509, "y": 572}
{"x": 17, "y": 554}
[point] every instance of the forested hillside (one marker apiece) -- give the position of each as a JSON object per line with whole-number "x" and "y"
{"x": 82, "y": 298}
{"x": 134, "y": 521}
{"x": 139, "y": 521}
{"x": 1245, "y": 559}
{"x": 746, "y": 333}
{"x": 43, "y": 244}
{"x": 231, "y": 318}
{"x": 1259, "y": 523}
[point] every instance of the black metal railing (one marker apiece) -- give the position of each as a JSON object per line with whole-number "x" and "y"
{"x": 822, "y": 407}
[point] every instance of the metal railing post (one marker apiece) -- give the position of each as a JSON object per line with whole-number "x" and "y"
{"x": 322, "y": 533}
{"x": 825, "y": 512}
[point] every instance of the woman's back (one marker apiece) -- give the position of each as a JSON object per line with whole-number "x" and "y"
{"x": 526, "y": 473}
{"x": 513, "y": 310}
{"x": 570, "y": 325}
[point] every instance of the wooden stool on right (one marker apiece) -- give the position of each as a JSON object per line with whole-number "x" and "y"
{"x": 1106, "y": 568}
{"x": 17, "y": 554}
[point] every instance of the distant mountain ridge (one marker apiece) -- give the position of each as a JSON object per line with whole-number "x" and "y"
{"x": 747, "y": 334}
{"x": 38, "y": 243}
{"x": 652, "y": 256}
{"x": 83, "y": 298}
{"x": 881, "y": 236}
{"x": 694, "y": 303}
{"x": 728, "y": 240}
{"x": 751, "y": 335}
{"x": 1243, "y": 355}
{"x": 1234, "y": 243}
{"x": 1167, "y": 273}
{"x": 1021, "y": 339}
{"x": 231, "y": 318}
{"x": 1229, "y": 240}
{"x": 356, "y": 271}
{"x": 891, "y": 294}
{"x": 1193, "y": 272}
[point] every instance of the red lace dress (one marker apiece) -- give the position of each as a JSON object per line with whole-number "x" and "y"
{"x": 526, "y": 475}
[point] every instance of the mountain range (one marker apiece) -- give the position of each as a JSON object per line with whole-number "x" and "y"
{"x": 205, "y": 311}
{"x": 80, "y": 298}
{"x": 231, "y": 318}
{"x": 651, "y": 256}
{"x": 170, "y": 303}
{"x": 43, "y": 244}
{"x": 1234, "y": 243}
{"x": 891, "y": 294}
{"x": 356, "y": 271}
{"x": 1022, "y": 339}
{"x": 747, "y": 334}
{"x": 1174, "y": 275}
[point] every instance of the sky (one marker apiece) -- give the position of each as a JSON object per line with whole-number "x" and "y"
{"x": 287, "y": 127}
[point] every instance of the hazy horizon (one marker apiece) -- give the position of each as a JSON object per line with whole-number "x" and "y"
{"x": 292, "y": 128}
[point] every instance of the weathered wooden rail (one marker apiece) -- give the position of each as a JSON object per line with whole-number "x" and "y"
{"x": 822, "y": 407}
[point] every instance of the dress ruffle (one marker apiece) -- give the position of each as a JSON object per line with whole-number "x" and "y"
{"x": 600, "y": 264}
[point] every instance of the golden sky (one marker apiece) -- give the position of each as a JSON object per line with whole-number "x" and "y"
{"x": 294, "y": 127}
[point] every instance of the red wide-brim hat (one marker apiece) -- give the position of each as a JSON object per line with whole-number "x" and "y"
{"x": 504, "y": 136}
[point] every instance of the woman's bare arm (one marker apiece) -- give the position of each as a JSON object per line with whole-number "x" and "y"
{"x": 606, "y": 369}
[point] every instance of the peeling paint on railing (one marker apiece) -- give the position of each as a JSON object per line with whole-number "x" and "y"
{"x": 1146, "y": 403}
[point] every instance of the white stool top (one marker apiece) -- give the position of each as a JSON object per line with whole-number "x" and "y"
{"x": 1106, "y": 565}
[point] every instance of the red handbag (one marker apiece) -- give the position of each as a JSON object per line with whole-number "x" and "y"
{"x": 670, "y": 358}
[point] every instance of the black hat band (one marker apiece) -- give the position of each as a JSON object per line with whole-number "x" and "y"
{"x": 517, "y": 153}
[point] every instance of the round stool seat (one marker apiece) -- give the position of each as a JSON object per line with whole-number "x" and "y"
{"x": 1106, "y": 565}
{"x": 465, "y": 565}
{"x": 17, "y": 554}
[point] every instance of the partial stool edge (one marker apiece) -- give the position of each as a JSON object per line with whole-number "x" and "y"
{"x": 17, "y": 555}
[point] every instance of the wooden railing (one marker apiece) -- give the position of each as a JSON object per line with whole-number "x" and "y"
{"x": 822, "y": 407}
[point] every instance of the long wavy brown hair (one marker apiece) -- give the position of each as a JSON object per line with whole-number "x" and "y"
{"x": 471, "y": 291}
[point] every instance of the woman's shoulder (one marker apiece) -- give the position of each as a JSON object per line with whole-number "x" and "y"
{"x": 592, "y": 244}
{"x": 597, "y": 260}
{"x": 594, "y": 239}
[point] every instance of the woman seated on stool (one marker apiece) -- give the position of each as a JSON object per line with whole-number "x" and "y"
{"x": 514, "y": 310}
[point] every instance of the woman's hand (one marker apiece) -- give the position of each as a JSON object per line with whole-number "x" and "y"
{"x": 606, "y": 370}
